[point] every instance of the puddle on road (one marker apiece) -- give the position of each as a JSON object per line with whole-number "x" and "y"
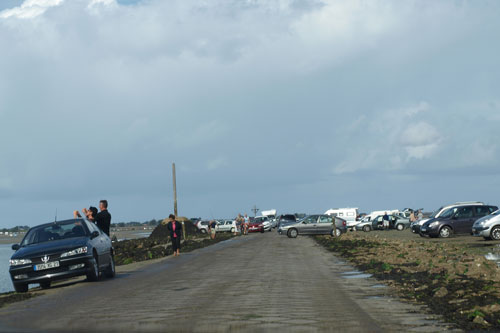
{"x": 378, "y": 286}
{"x": 494, "y": 257}
{"x": 351, "y": 273}
{"x": 376, "y": 297}
{"x": 357, "y": 276}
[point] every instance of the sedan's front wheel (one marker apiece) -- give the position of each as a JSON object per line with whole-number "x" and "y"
{"x": 495, "y": 233}
{"x": 400, "y": 227}
{"x": 292, "y": 233}
{"x": 366, "y": 228}
{"x": 93, "y": 274}
{"x": 110, "y": 271}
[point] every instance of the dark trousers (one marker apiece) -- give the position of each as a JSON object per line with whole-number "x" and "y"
{"x": 176, "y": 243}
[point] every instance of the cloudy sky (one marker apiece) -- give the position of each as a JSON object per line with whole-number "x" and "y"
{"x": 296, "y": 105}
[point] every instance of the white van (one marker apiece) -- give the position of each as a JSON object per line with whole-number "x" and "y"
{"x": 350, "y": 215}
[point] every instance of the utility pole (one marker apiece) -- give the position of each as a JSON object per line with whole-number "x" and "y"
{"x": 255, "y": 210}
{"x": 174, "y": 181}
{"x": 175, "y": 189}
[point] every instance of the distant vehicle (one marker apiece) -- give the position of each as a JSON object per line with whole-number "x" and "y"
{"x": 455, "y": 220}
{"x": 316, "y": 225}
{"x": 374, "y": 214}
{"x": 225, "y": 226}
{"x": 415, "y": 226}
{"x": 286, "y": 219}
{"x": 266, "y": 223}
{"x": 395, "y": 222}
{"x": 255, "y": 226}
{"x": 488, "y": 226}
{"x": 203, "y": 226}
{"x": 350, "y": 215}
{"x": 60, "y": 250}
{"x": 269, "y": 213}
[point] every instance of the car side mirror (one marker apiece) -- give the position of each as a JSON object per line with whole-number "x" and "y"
{"x": 15, "y": 247}
{"x": 94, "y": 234}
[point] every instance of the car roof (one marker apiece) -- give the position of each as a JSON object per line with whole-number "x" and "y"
{"x": 58, "y": 222}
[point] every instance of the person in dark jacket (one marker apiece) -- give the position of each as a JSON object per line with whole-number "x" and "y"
{"x": 175, "y": 229}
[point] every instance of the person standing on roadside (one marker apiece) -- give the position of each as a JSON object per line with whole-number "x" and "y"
{"x": 412, "y": 217}
{"x": 385, "y": 220}
{"x": 420, "y": 214}
{"x": 175, "y": 229}
{"x": 212, "y": 226}
{"x": 246, "y": 223}
{"x": 103, "y": 218}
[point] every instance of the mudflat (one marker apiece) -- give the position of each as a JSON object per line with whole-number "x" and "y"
{"x": 248, "y": 283}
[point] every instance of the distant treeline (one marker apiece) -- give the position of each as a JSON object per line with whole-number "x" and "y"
{"x": 19, "y": 228}
{"x": 151, "y": 223}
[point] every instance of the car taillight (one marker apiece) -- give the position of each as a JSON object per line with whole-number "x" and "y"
{"x": 344, "y": 224}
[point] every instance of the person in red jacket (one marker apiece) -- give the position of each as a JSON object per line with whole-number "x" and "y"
{"x": 175, "y": 229}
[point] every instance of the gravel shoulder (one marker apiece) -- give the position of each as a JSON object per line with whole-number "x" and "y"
{"x": 452, "y": 276}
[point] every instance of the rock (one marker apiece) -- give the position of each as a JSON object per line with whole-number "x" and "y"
{"x": 457, "y": 301}
{"x": 492, "y": 308}
{"x": 480, "y": 321}
{"x": 460, "y": 292}
{"x": 441, "y": 292}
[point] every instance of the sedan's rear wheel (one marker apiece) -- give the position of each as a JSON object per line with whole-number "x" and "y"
{"x": 111, "y": 271}
{"x": 367, "y": 228}
{"x": 21, "y": 287}
{"x": 45, "y": 285}
{"x": 292, "y": 233}
{"x": 495, "y": 233}
{"x": 338, "y": 232}
{"x": 203, "y": 231}
{"x": 400, "y": 227}
{"x": 93, "y": 274}
{"x": 445, "y": 232}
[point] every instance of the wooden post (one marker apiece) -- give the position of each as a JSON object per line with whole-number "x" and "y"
{"x": 175, "y": 199}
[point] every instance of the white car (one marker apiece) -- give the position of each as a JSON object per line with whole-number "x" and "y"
{"x": 266, "y": 223}
{"x": 488, "y": 226}
{"x": 226, "y": 226}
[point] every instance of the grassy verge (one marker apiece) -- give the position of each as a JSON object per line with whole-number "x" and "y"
{"x": 462, "y": 287}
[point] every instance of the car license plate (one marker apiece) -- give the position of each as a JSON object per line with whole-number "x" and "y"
{"x": 424, "y": 229}
{"x": 48, "y": 265}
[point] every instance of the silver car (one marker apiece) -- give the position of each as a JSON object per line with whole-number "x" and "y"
{"x": 488, "y": 226}
{"x": 315, "y": 225}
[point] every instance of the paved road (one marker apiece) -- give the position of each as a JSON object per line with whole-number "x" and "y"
{"x": 251, "y": 283}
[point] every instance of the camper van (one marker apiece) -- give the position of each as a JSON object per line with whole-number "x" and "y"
{"x": 350, "y": 215}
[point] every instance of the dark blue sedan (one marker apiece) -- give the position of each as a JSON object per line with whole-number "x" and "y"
{"x": 60, "y": 250}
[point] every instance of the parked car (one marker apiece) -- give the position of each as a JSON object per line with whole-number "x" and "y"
{"x": 266, "y": 223}
{"x": 255, "y": 226}
{"x": 286, "y": 219}
{"x": 316, "y": 225}
{"x": 203, "y": 226}
{"x": 395, "y": 222}
{"x": 458, "y": 220}
{"x": 488, "y": 226}
{"x": 415, "y": 226}
{"x": 60, "y": 250}
{"x": 225, "y": 226}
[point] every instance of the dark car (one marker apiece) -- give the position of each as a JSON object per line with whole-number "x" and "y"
{"x": 455, "y": 220}
{"x": 316, "y": 225}
{"x": 61, "y": 250}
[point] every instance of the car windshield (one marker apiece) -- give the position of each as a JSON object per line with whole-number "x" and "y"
{"x": 433, "y": 215}
{"x": 496, "y": 212}
{"x": 55, "y": 231}
{"x": 449, "y": 212}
